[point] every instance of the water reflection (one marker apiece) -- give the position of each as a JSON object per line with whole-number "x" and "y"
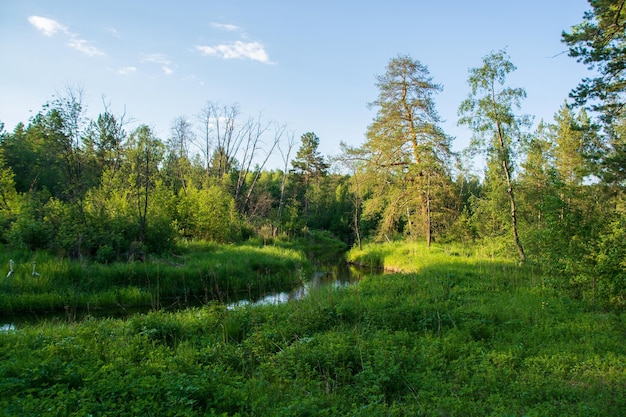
{"x": 336, "y": 275}
{"x": 7, "y": 327}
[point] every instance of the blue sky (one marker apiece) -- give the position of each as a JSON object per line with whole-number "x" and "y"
{"x": 308, "y": 65}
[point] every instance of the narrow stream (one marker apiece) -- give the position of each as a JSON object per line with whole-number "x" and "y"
{"x": 336, "y": 274}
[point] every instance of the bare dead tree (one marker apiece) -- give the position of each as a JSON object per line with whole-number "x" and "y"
{"x": 205, "y": 142}
{"x": 286, "y": 157}
{"x": 279, "y": 130}
{"x": 221, "y": 137}
{"x": 253, "y": 131}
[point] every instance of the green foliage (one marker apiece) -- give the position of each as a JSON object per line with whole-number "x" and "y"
{"x": 598, "y": 42}
{"x": 207, "y": 214}
{"x": 610, "y": 267}
{"x": 8, "y": 195}
{"x": 464, "y": 335}
{"x": 29, "y": 230}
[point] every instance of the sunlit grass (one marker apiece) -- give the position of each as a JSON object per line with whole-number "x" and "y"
{"x": 199, "y": 271}
{"x": 406, "y": 256}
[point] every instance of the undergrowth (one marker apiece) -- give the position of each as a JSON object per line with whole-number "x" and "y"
{"x": 461, "y": 335}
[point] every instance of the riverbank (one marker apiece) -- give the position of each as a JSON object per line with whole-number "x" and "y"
{"x": 409, "y": 257}
{"x": 462, "y": 335}
{"x": 198, "y": 272}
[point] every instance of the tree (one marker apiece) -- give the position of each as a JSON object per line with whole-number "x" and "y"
{"x": 538, "y": 184}
{"x": 105, "y": 139}
{"x": 285, "y": 154}
{"x": 350, "y": 159}
{"x": 221, "y": 137}
{"x": 576, "y": 155}
{"x": 309, "y": 164}
{"x": 405, "y": 145}
{"x": 20, "y": 156}
{"x": 8, "y": 195}
{"x": 488, "y": 112}
{"x": 177, "y": 163}
{"x": 598, "y": 41}
{"x": 36, "y": 154}
{"x": 309, "y": 161}
{"x": 145, "y": 152}
{"x": 68, "y": 112}
{"x": 575, "y": 145}
{"x": 538, "y": 173}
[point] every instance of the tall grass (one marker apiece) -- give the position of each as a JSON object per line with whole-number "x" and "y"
{"x": 199, "y": 272}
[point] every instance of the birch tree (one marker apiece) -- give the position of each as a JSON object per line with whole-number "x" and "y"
{"x": 497, "y": 131}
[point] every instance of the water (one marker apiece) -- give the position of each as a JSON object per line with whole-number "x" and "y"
{"x": 337, "y": 274}
{"x": 7, "y": 327}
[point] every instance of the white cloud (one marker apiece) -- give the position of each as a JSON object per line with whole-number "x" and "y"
{"x": 225, "y": 26}
{"x": 156, "y": 59}
{"x": 237, "y": 49}
{"x": 167, "y": 66}
{"x": 50, "y": 27}
{"x": 47, "y": 26}
{"x": 194, "y": 79}
{"x": 126, "y": 70}
{"x": 114, "y": 32}
{"x": 83, "y": 46}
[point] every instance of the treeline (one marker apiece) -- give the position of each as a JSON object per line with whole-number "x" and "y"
{"x": 90, "y": 189}
{"x": 553, "y": 195}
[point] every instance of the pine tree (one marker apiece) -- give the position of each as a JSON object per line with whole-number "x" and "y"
{"x": 406, "y": 151}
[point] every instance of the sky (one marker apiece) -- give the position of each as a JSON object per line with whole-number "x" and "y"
{"x": 310, "y": 66}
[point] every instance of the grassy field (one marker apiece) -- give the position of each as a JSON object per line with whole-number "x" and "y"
{"x": 457, "y": 334}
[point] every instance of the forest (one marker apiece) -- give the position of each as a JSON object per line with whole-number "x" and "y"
{"x": 96, "y": 213}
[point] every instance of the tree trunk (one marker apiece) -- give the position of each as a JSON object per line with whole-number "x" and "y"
{"x": 509, "y": 191}
{"x": 357, "y": 230}
{"x": 428, "y": 217}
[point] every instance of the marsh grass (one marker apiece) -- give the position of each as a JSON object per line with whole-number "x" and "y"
{"x": 200, "y": 272}
{"x": 459, "y": 335}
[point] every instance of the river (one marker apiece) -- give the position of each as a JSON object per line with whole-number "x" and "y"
{"x": 329, "y": 274}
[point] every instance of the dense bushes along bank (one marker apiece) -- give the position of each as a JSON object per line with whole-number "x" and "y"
{"x": 461, "y": 336}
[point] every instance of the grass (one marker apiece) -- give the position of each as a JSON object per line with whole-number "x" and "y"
{"x": 200, "y": 272}
{"x": 460, "y": 335}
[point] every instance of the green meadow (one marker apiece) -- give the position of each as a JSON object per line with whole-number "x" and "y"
{"x": 449, "y": 333}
